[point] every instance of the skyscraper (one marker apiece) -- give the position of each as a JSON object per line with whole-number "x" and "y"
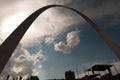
{"x": 69, "y": 75}
{"x": 34, "y": 78}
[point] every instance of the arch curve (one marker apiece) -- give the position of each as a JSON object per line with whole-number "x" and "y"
{"x": 9, "y": 45}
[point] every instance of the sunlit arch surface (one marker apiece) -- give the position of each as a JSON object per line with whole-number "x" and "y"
{"x": 9, "y": 45}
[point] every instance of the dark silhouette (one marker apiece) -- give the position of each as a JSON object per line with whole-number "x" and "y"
{"x": 34, "y": 78}
{"x": 9, "y": 45}
{"x": 8, "y": 76}
{"x": 20, "y": 78}
{"x": 69, "y": 75}
{"x": 103, "y": 68}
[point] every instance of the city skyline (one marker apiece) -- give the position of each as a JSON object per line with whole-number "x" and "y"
{"x": 50, "y": 58}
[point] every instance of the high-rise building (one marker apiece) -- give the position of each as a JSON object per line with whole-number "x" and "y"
{"x": 69, "y": 75}
{"x": 34, "y": 78}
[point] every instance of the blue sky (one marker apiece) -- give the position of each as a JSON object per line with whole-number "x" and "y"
{"x": 90, "y": 49}
{"x": 59, "y": 40}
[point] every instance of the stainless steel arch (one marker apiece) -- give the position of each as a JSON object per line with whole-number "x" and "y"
{"x": 9, "y": 45}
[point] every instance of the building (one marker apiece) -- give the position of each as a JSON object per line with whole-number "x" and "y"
{"x": 34, "y": 78}
{"x": 69, "y": 75}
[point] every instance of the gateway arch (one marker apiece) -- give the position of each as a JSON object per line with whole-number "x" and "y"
{"x": 9, "y": 45}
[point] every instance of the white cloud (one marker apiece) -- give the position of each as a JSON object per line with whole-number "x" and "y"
{"x": 40, "y": 66}
{"x": 51, "y": 23}
{"x": 61, "y": 46}
{"x": 30, "y": 57}
{"x": 38, "y": 57}
{"x": 17, "y": 69}
{"x": 53, "y": 26}
{"x": 45, "y": 25}
{"x": 49, "y": 40}
{"x": 22, "y": 62}
{"x": 35, "y": 72}
{"x": 72, "y": 41}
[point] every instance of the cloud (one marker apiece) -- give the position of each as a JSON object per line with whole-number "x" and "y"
{"x": 17, "y": 69}
{"x": 35, "y": 72}
{"x": 97, "y": 10}
{"x": 62, "y": 47}
{"x": 40, "y": 66}
{"x": 72, "y": 39}
{"x": 46, "y": 24}
{"x": 30, "y": 57}
{"x": 51, "y": 23}
{"x": 20, "y": 60}
{"x": 49, "y": 40}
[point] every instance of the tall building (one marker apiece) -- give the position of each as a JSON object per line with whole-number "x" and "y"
{"x": 34, "y": 78}
{"x": 69, "y": 75}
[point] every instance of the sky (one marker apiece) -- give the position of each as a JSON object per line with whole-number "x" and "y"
{"x": 59, "y": 40}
